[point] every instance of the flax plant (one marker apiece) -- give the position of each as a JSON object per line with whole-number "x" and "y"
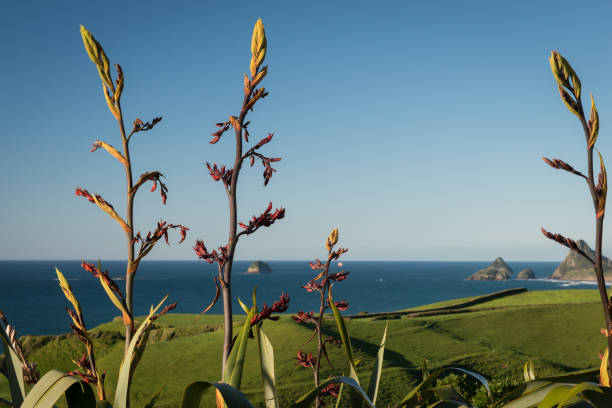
{"x": 112, "y": 91}
{"x": 322, "y": 284}
{"x": 570, "y": 89}
{"x": 224, "y": 255}
{"x": 87, "y": 363}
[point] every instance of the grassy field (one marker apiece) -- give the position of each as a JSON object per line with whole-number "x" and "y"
{"x": 558, "y": 330}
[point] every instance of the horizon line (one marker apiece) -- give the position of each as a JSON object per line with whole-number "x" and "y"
{"x": 272, "y": 260}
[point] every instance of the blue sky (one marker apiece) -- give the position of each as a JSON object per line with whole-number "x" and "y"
{"x": 416, "y": 128}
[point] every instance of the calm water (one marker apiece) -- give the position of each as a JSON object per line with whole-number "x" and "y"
{"x": 33, "y": 302}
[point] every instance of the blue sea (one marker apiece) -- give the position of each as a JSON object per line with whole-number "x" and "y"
{"x": 33, "y": 302}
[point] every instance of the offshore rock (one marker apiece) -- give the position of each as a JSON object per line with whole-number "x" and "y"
{"x": 526, "y": 274}
{"x": 259, "y": 267}
{"x": 497, "y": 271}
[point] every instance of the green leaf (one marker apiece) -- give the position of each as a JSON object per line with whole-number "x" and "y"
{"x": 5, "y": 404}
{"x": 13, "y": 370}
{"x": 448, "y": 393}
{"x": 266, "y": 362}
{"x": 339, "y": 396}
{"x": 346, "y": 344}
{"x": 448, "y": 404}
{"x": 578, "y": 389}
{"x": 528, "y": 373}
{"x": 154, "y": 399}
{"x": 103, "y": 404}
{"x": 538, "y": 385}
{"x": 554, "y": 396}
{"x": 243, "y": 306}
{"x": 232, "y": 397}
{"x": 80, "y": 395}
{"x": 536, "y": 395}
{"x": 125, "y": 372}
{"x": 346, "y": 340}
{"x": 411, "y": 398}
{"x": 235, "y": 362}
{"x": 377, "y": 370}
{"x": 111, "y": 295}
{"x": 575, "y": 376}
{"x": 424, "y": 370}
{"x": 49, "y": 389}
{"x": 600, "y": 399}
{"x": 307, "y": 399}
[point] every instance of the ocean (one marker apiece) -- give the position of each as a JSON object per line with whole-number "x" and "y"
{"x": 33, "y": 302}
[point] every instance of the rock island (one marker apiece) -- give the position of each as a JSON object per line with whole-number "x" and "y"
{"x": 497, "y": 271}
{"x": 259, "y": 267}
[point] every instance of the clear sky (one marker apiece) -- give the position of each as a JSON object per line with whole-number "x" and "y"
{"x": 415, "y": 127}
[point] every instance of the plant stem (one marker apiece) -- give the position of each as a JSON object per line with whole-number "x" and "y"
{"x": 227, "y": 315}
{"x": 599, "y": 273}
{"x": 129, "y": 275}
{"x": 92, "y": 362}
{"x": 319, "y": 346}
{"x": 233, "y": 238}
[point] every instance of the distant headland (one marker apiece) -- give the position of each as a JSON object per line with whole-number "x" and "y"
{"x": 576, "y": 267}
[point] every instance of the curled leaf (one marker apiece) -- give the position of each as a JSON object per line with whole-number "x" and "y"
{"x": 111, "y": 295}
{"x": 100, "y": 202}
{"x": 114, "y": 152}
{"x": 218, "y": 293}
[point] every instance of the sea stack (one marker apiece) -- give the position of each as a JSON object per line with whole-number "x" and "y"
{"x": 526, "y": 274}
{"x": 497, "y": 271}
{"x": 259, "y": 267}
{"x": 577, "y": 267}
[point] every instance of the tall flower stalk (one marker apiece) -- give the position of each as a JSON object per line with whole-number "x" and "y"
{"x": 322, "y": 284}
{"x": 224, "y": 255}
{"x": 570, "y": 89}
{"x": 112, "y": 91}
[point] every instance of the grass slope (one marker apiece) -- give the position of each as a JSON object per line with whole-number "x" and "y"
{"x": 558, "y": 330}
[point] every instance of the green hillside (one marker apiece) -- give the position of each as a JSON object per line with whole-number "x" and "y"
{"x": 558, "y": 330}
